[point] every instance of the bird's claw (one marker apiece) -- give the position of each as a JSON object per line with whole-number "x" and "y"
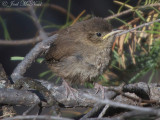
{"x": 70, "y": 92}
{"x": 98, "y": 88}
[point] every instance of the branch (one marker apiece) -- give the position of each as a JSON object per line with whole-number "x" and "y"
{"x": 20, "y": 42}
{"x": 27, "y": 98}
{"x": 30, "y": 57}
{"x": 59, "y": 92}
{"x": 55, "y": 7}
{"x": 18, "y": 97}
{"x": 96, "y": 109}
{"x": 121, "y": 105}
{"x": 131, "y": 10}
{"x": 128, "y": 115}
{"x": 140, "y": 26}
{"x": 25, "y": 41}
{"x": 37, "y": 23}
{"x": 43, "y": 117}
{"x": 32, "y": 40}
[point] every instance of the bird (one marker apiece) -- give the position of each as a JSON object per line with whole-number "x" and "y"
{"x": 81, "y": 51}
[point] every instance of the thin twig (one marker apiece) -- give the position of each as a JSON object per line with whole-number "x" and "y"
{"x": 121, "y": 105}
{"x": 97, "y": 107}
{"x": 20, "y": 42}
{"x": 103, "y": 111}
{"x": 140, "y": 26}
{"x": 134, "y": 98}
{"x": 131, "y": 10}
{"x": 42, "y": 34}
{"x": 78, "y": 17}
{"x": 55, "y": 7}
{"x": 30, "y": 109}
{"x": 131, "y": 114}
{"x": 24, "y": 41}
{"x": 58, "y": 8}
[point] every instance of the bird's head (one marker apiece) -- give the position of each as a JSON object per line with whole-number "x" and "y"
{"x": 99, "y": 32}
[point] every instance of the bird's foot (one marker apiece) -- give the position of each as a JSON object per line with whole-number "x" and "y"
{"x": 98, "y": 88}
{"x": 70, "y": 92}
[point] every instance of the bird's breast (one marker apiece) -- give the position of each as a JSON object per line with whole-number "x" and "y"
{"x": 102, "y": 59}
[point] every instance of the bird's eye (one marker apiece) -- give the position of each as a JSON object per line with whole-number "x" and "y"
{"x": 98, "y": 34}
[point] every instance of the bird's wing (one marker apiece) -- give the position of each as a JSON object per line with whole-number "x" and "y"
{"x": 59, "y": 51}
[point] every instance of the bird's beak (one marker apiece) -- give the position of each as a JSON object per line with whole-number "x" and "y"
{"x": 111, "y": 33}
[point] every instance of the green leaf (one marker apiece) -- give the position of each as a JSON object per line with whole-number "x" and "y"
{"x": 153, "y": 32}
{"x": 124, "y": 22}
{"x": 43, "y": 10}
{"x": 58, "y": 79}
{"x": 156, "y": 10}
{"x": 44, "y": 73}
{"x": 126, "y": 37}
{"x": 151, "y": 77}
{"x": 68, "y": 11}
{"x": 139, "y": 14}
{"x": 121, "y": 7}
{"x": 40, "y": 60}
{"x": 117, "y": 57}
{"x": 16, "y": 58}
{"x": 52, "y": 26}
{"x": 6, "y": 33}
{"x": 142, "y": 72}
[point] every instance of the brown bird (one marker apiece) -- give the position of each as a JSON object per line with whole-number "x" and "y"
{"x": 82, "y": 51}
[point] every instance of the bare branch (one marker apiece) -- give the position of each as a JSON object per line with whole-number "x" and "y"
{"x": 97, "y": 107}
{"x": 24, "y": 97}
{"x": 37, "y": 23}
{"x": 59, "y": 91}
{"x": 33, "y": 40}
{"x": 131, "y": 10}
{"x": 30, "y": 109}
{"x": 47, "y": 117}
{"x": 121, "y": 105}
{"x": 132, "y": 114}
{"x": 30, "y": 57}
{"x": 55, "y": 7}
{"x": 103, "y": 111}
{"x": 140, "y": 26}
{"x": 20, "y": 42}
{"x": 18, "y": 97}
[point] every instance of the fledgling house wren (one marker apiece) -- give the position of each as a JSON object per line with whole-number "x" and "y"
{"x": 82, "y": 51}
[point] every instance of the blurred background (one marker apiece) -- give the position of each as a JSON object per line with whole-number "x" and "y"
{"x": 17, "y": 24}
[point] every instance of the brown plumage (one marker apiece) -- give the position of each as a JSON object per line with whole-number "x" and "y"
{"x": 80, "y": 53}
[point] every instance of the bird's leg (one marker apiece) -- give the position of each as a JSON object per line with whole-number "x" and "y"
{"x": 98, "y": 88}
{"x": 69, "y": 90}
